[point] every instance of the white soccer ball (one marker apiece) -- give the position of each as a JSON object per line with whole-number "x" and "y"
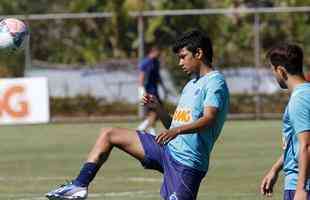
{"x": 13, "y": 33}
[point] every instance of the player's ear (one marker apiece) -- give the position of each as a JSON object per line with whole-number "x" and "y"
{"x": 199, "y": 53}
{"x": 282, "y": 72}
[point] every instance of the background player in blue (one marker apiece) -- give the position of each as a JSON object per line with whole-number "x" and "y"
{"x": 182, "y": 151}
{"x": 286, "y": 62}
{"x": 149, "y": 79}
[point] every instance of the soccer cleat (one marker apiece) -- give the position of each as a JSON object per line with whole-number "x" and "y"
{"x": 68, "y": 191}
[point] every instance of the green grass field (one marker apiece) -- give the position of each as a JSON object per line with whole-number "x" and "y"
{"x": 35, "y": 159}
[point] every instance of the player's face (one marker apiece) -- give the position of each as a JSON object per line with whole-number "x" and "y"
{"x": 155, "y": 53}
{"x": 279, "y": 75}
{"x": 187, "y": 61}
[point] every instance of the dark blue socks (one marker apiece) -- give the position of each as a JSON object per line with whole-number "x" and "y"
{"x": 87, "y": 174}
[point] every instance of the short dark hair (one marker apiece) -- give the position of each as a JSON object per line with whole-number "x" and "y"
{"x": 150, "y": 47}
{"x": 290, "y": 56}
{"x": 193, "y": 40}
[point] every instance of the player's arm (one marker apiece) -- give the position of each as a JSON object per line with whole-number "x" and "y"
{"x": 141, "y": 78}
{"x": 300, "y": 110}
{"x": 163, "y": 115}
{"x": 208, "y": 119}
{"x": 271, "y": 177}
{"x": 303, "y": 164}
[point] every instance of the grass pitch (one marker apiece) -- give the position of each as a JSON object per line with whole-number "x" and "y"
{"x": 35, "y": 159}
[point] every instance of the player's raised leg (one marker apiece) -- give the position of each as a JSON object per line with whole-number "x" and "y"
{"x": 124, "y": 139}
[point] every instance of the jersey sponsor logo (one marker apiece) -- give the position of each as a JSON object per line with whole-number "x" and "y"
{"x": 197, "y": 92}
{"x": 182, "y": 115}
{"x": 173, "y": 196}
{"x": 13, "y": 103}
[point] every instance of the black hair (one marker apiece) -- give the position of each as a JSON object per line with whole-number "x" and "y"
{"x": 290, "y": 56}
{"x": 193, "y": 40}
{"x": 150, "y": 47}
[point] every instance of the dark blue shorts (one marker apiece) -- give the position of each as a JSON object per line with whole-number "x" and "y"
{"x": 289, "y": 195}
{"x": 180, "y": 182}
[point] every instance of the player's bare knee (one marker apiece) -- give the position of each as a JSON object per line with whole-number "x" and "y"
{"x": 116, "y": 137}
{"x": 105, "y": 134}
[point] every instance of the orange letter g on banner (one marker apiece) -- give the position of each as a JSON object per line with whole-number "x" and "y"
{"x": 16, "y": 111}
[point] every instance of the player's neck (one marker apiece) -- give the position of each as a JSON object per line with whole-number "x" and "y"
{"x": 294, "y": 81}
{"x": 205, "y": 69}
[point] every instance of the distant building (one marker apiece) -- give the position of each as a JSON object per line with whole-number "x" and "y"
{"x": 248, "y": 80}
{"x": 113, "y": 81}
{"x": 118, "y": 80}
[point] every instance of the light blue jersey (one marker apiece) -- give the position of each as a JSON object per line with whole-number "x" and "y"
{"x": 296, "y": 120}
{"x": 194, "y": 149}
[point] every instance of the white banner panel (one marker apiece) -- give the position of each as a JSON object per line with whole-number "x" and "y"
{"x": 24, "y": 100}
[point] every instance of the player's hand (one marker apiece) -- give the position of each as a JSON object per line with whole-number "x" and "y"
{"x": 301, "y": 195}
{"x": 150, "y": 100}
{"x": 268, "y": 182}
{"x": 167, "y": 135}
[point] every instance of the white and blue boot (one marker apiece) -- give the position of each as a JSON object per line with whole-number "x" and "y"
{"x": 68, "y": 191}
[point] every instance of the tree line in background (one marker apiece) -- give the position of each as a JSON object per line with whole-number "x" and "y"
{"x": 93, "y": 40}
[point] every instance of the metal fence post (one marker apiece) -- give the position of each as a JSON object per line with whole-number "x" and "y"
{"x": 257, "y": 65}
{"x": 141, "y": 51}
{"x": 27, "y": 53}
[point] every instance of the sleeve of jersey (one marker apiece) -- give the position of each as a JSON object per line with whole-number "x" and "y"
{"x": 142, "y": 66}
{"x": 213, "y": 97}
{"x": 300, "y": 114}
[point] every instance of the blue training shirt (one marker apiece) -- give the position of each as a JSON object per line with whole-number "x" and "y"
{"x": 296, "y": 119}
{"x": 150, "y": 68}
{"x": 194, "y": 149}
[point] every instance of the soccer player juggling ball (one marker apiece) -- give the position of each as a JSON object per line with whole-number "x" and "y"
{"x": 181, "y": 152}
{"x": 286, "y": 62}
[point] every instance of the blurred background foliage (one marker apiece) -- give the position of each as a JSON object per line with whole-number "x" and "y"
{"x": 87, "y": 42}
{"x": 90, "y": 41}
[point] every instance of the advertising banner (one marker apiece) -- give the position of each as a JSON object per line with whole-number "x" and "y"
{"x": 24, "y": 101}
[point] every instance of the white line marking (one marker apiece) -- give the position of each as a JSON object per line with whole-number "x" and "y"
{"x": 137, "y": 194}
{"x": 39, "y": 178}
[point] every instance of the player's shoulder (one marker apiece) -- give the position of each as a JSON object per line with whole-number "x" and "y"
{"x": 145, "y": 61}
{"x": 301, "y": 95}
{"x": 302, "y": 90}
{"x": 144, "y": 64}
{"x": 215, "y": 78}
